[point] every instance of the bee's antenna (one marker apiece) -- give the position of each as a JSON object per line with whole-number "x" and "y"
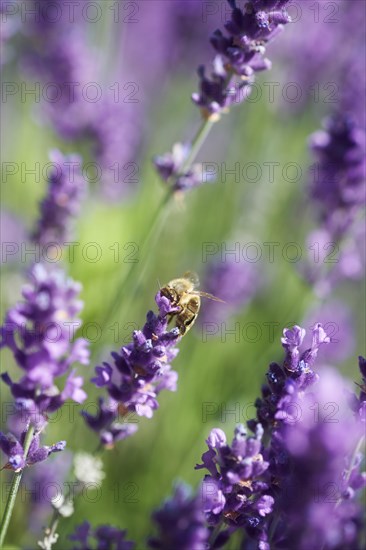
{"x": 159, "y": 285}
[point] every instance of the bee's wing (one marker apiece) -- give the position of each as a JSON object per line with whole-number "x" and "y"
{"x": 192, "y": 277}
{"x": 210, "y": 297}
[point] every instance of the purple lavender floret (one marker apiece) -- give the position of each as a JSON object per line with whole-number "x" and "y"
{"x": 13, "y": 448}
{"x": 338, "y": 320}
{"x": 216, "y": 95}
{"x": 316, "y": 495}
{"x": 235, "y": 282}
{"x": 306, "y": 54}
{"x": 338, "y": 189}
{"x": 139, "y": 372}
{"x": 236, "y": 489}
{"x": 347, "y": 262}
{"x": 105, "y": 423}
{"x": 181, "y": 522}
{"x": 103, "y": 537}
{"x": 37, "y": 331}
{"x": 340, "y": 174}
{"x": 240, "y": 55}
{"x": 295, "y": 483}
{"x": 66, "y": 190}
{"x": 312, "y": 438}
{"x": 58, "y": 53}
{"x": 286, "y": 381}
{"x": 12, "y": 231}
{"x": 170, "y": 166}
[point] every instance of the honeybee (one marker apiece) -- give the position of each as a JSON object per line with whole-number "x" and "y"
{"x": 182, "y": 293}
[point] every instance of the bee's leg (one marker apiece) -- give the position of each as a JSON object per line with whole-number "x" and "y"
{"x": 181, "y": 325}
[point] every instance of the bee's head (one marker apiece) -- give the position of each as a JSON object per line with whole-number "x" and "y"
{"x": 170, "y": 293}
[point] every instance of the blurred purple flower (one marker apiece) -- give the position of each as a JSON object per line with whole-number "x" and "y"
{"x": 13, "y": 448}
{"x": 317, "y": 492}
{"x": 66, "y": 189}
{"x": 13, "y": 236}
{"x": 193, "y": 21}
{"x": 138, "y": 374}
{"x": 181, "y": 522}
{"x": 44, "y": 484}
{"x": 308, "y": 61}
{"x": 338, "y": 186}
{"x": 338, "y": 321}
{"x": 312, "y": 440}
{"x": 37, "y": 332}
{"x": 170, "y": 166}
{"x": 57, "y": 52}
{"x": 103, "y": 537}
{"x": 236, "y": 283}
{"x": 338, "y": 191}
{"x": 344, "y": 262}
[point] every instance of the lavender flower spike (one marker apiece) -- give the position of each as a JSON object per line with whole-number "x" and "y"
{"x": 104, "y": 537}
{"x": 338, "y": 187}
{"x": 240, "y": 54}
{"x": 314, "y": 473}
{"x": 13, "y": 448}
{"x": 170, "y": 165}
{"x": 238, "y": 57}
{"x": 236, "y": 490}
{"x": 285, "y": 382}
{"x": 37, "y": 332}
{"x": 323, "y": 475}
{"x": 139, "y": 372}
{"x": 66, "y": 189}
{"x": 181, "y": 523}
{"x": 235, "y": 282}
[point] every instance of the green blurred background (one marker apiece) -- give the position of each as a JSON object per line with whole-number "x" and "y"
{"x": 140, "y": 471}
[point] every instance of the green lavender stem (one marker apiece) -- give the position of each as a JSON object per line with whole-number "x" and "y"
{"x": 123, "y": 288}
{"x": 130, "y": 282}
{"x": 197, "y": 143}
{"x": 215, "y": 533}
{"x": 14, "y": 490}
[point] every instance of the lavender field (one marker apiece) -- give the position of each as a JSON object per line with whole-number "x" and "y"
{"x": 183, "y": 275}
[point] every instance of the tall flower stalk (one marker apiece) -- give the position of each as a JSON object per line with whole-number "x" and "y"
{"x": 37, "y": 332}
{"x": 14, "y": 488}
{"x": 303, "y": 462}
{"x": 138, "y": 373}
{"x": 238, "y": 57}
